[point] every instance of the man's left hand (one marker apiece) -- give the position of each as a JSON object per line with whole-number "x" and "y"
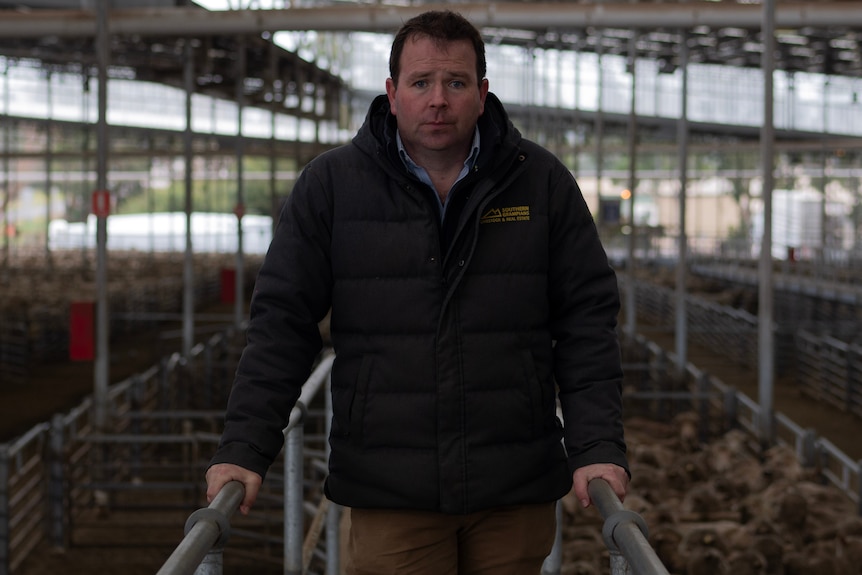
{"x": 615, "y": 475}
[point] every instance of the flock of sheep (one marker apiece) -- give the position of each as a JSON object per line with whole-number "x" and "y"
{"x": 726, "y": 507}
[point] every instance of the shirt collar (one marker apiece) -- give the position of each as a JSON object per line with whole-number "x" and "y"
{"x": 416, "y": 169}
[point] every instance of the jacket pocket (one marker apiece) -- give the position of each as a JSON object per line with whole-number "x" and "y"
{"x": 360, "y": 397}
{"x": 534, "y": 392}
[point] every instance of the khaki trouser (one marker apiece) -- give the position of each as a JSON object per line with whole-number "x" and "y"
{"x": 501, "y": 541}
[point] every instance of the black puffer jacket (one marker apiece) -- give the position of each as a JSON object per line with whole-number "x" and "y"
{"x": 450, "y": 339}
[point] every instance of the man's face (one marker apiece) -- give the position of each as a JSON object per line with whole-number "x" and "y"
{"x": 438, "y": 98}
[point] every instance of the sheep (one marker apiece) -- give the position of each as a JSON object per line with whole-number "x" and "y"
{"x": 747, "y": 562}
{"x": 706, "y": 562}
{"x": 772, "y": 550}
{"x": 730, "y": 507}
{"x": 702, "y": 502}
{"x": 666, "y": 540}
{"x": 687, "y": 428}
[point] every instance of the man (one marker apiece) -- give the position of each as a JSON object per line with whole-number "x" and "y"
{"x": 469, "y": 291}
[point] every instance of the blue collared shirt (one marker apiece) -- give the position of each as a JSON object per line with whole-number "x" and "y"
{"x": 422, "y": 174}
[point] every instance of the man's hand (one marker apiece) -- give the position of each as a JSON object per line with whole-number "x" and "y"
{"x": 221, "y": 473}
{"x": 615, "y": 475}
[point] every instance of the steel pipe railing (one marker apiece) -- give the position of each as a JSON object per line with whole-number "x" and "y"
{"x": 625, "y": 534}
{"x": 207, "y": 529}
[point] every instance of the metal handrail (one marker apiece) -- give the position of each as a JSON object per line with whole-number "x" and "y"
{"x": 624, "y": 533}
{"x": 208, "y": 528}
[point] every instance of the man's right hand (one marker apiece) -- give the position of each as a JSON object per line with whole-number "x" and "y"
{"x": 221, "y": 473}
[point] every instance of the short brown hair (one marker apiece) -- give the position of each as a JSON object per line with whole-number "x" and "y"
{"x": 441, "y": 26}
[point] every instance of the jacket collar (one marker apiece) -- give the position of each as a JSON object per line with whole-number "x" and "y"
{"x": 498, "y": 135}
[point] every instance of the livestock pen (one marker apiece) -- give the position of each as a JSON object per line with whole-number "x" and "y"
{"x": 66, "y": 486}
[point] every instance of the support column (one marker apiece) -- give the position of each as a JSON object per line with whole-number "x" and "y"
{"x": 239, "y": 301}
{"x": 49, "y": 157}
{"x": 7, "y": 182}
{"x": 631, "y": 303}
{"x": 766, "y": 343}
{"x": 682, "y": 248}
{"x": 102, "y": 323}
{"x": 188, "y": 262}
{"x": 599, "y": 124}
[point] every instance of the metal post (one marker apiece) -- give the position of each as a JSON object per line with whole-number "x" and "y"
{"x": 562, "y": 113}
{"x": 333, "y": 539}
{"x": 333, "y": 514}
{"x": 619, "y": 565}
{"x": 56, "y": 483}
{"x": 49, "y": 157}
{"x": 625, "y": 534}
{"x": 293, "y": 506}
{"x": 682, "y": 255}
{"x": 277, "y": 89}
{"x": 5, "y": 534}
{"x": 765, "y": 293}
{"x": 824, "y": 169}
{"x": 188, "y": 262}
{"x": 85, "y": 163}
{"x": 554, "y": 561}
{"x": 101, "y": 363}
{"x": 808, "y": 455}
{"x": 239, "y": 302}
{"x": 213, "y": 563}
{"x": 631, "y": 305}
{"x": 576, "y": 146}
{"x": 7, "y": 144}
{"x": 600, "y": 124}
{"x": 137, "y": 401}
{"x": 206, "y": 533}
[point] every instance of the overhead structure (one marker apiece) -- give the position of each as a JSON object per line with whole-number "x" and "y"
{"x": 275, "y": 76}
{"x": 811, "y": 36}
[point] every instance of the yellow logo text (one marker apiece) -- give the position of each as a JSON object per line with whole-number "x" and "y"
{"x": 510, "y": 214}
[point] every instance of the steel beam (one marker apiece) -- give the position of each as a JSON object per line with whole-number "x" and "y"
{"x": 381, "y": 18}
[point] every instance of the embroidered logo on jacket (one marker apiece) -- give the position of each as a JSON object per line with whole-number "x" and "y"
{"x": 510, "y": 214}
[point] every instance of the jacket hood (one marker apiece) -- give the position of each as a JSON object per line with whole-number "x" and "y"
{"x": 376, "y": 137}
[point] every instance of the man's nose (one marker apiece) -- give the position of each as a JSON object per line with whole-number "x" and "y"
{"x": 438, "y": 95}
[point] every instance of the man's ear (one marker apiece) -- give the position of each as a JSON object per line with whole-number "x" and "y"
{"x": 483, "y": 93}
{"x": 390, "y": 93}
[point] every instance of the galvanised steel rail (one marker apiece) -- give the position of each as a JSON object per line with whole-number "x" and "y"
{"x": 625, "y": 534}
{"x": 207, "y": 529}
{"x": 21, "y": 515}
{"x": 47, "y": 473}
{"x": 17, "y": 469}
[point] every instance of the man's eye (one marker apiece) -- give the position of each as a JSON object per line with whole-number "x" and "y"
{"x": 456, "y": 84}
{"x": 420, "y": 83}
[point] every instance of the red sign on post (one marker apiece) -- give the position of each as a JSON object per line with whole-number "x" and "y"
{"x": 228, "y": 285}
{"x": 101, "y": 203}
{"x": 81, "y": 331}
